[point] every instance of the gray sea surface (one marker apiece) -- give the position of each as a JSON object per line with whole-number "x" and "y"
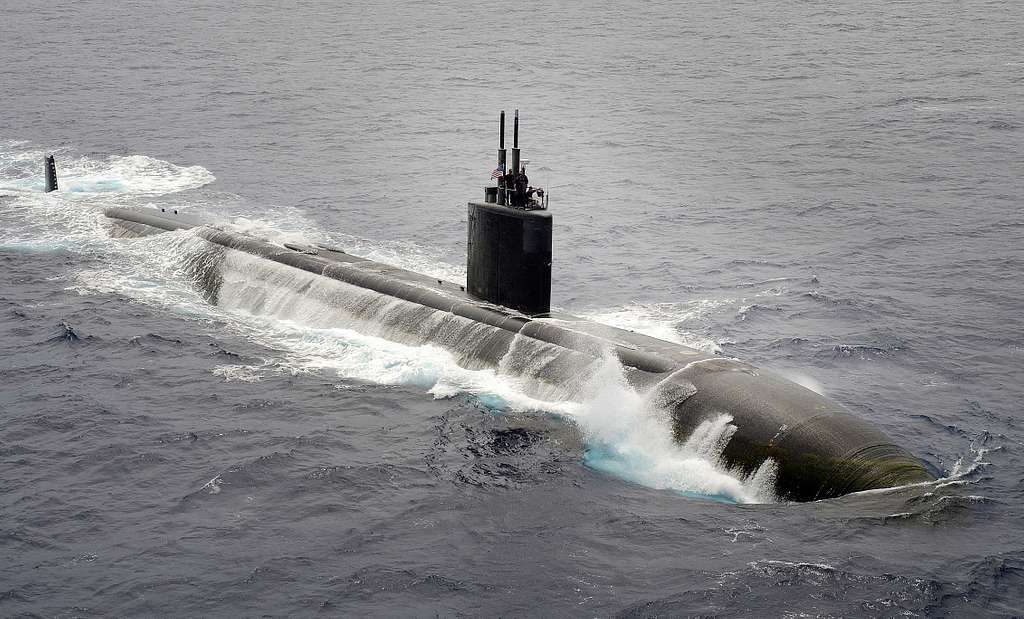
{"x": 829, "y": 189}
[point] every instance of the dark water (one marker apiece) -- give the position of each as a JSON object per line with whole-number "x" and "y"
{"x": 828, "y": 189}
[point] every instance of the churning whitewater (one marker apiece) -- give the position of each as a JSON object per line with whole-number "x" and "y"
{"x": 325, "y": 326}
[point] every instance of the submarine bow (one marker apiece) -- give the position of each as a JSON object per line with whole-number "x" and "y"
{"x": 501, "y": 319}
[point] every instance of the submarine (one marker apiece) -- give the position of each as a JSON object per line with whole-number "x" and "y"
{"x": 807, "y": 446}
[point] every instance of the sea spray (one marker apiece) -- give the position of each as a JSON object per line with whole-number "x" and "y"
{"x": 681, "y": 323}
{"x": 630, "y": 435}
{"x": 325, "y": 325}
{"x": 330, "y": 325}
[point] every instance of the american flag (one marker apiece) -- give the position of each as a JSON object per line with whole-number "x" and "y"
{"x": 498, "y": 171}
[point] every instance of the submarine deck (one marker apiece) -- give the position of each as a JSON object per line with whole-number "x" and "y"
{"x": 636, "y": 350}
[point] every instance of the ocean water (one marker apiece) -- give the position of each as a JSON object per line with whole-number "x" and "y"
{"x": 830, "y": 190}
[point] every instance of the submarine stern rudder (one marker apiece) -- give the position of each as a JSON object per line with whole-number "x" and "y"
{"x": 49, "y": 174}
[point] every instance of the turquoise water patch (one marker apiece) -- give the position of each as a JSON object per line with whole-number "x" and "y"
{"x": 37, "y": 247}
{"x": 606, "y": 459}
{"x": 98, "y": 186}
{"x": 493, "y": 402}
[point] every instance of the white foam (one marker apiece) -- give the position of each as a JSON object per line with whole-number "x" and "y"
{"x": 673, "y": 322}
{"x": 213, "y": 486}
{"x": 134, "y": 174}
{"x": 961, "y": 469}
{"x": 632, "y": 437}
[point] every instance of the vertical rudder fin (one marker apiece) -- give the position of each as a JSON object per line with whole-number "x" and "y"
{"x": 50, "y": 171}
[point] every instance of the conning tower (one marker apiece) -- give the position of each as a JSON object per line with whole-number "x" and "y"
{"x": 508, "y": 253}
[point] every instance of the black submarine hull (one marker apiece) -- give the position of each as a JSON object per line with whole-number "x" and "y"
{"x": 819, "y": 450}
